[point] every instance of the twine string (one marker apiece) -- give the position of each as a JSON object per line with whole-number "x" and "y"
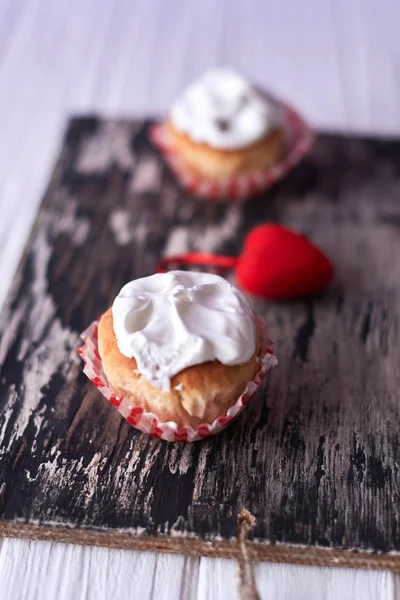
{"x": 247, "y": 584}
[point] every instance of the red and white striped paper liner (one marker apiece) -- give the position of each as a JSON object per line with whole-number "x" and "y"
{"x": 300, "y": 138}
{"x": 147, "y": 421}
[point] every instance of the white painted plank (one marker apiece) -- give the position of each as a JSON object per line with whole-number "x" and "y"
{"x": 314, "y": 583}
{"x": 67, "y": 571}
{"x": 217, "y": 579}
{"x": 368, "y": 53}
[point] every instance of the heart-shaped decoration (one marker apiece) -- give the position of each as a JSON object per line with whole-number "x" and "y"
{"x": 155, "y": 430}
{"x": 115, "y": 400}
{"x": 135, "y": 415}
{"x": 224, "y": 420}
{"x": 203, "y": 430}
{"x": 278, "y": 263}
{"x": 181, "y": 435}
{"x": 98, "y": 382}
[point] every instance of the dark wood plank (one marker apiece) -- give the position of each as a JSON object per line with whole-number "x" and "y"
{"x": 316, "y": 455}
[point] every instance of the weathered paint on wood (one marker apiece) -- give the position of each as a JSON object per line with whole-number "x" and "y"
{"x": 315, "y": 457}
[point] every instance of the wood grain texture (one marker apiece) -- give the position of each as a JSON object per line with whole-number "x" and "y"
{"x": 314, "y": 457}
{"x": 67, "y": 571}
{"x": 63, "y": 571}
{"x": 337, "y": 62}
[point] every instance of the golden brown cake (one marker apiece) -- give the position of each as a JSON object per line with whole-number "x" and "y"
{"x": 212, "y": 163}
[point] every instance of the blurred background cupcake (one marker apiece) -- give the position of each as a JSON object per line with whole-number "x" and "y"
{"x": 222, "y": 126}
{"x": 225, "y": 138}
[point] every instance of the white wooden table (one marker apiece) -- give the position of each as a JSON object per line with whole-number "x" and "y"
{"x": 336, "y": 61}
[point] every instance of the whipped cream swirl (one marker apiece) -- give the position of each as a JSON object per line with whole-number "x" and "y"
{"x": 223, "y": 110}
{"x": 171, "y": 321}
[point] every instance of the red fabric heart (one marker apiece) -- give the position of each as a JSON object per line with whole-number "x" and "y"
{"x": 278, "y": 263}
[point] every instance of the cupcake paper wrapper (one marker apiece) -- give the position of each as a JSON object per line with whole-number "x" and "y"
{"x": 299, "y": 141}
{"x": 147, "y": 421}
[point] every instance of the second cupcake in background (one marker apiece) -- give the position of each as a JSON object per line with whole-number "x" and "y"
{"x": 223, "y": 127}
{"x": 225, "y": 139}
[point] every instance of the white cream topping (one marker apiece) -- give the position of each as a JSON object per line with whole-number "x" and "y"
{"x": 223, "y": 110}
{"x": 171, "y": 321}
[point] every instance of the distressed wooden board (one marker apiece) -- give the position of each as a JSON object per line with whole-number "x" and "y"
{"x": 314, "y": 457}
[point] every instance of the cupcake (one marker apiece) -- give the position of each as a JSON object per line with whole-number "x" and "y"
{"x": 180, "y": 345}
{"x": 222, "y": 127}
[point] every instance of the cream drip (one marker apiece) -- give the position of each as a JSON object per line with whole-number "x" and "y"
{"x": 223, "y": 110}
{"x": 171, "y": 321}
